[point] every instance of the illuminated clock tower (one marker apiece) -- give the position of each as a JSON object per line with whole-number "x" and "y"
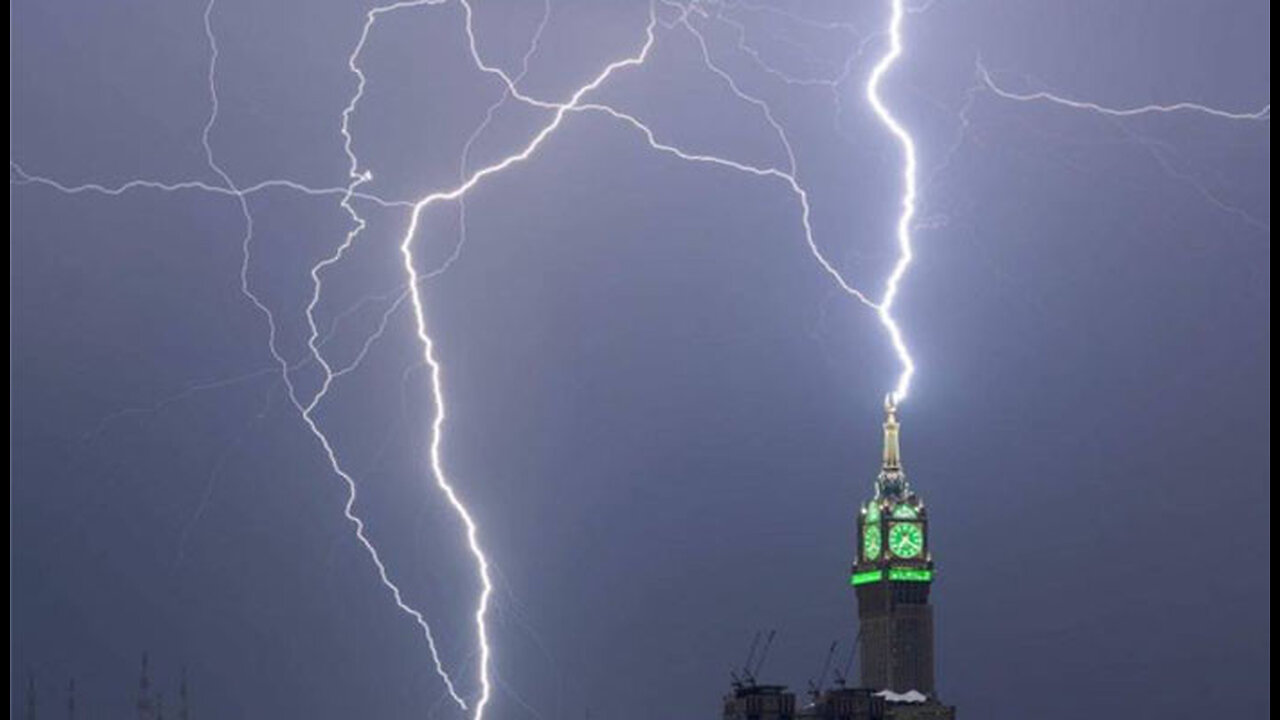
{"x": 892, "y": 576}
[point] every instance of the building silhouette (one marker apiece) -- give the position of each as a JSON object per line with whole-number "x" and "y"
{"x": 760, "y": 702}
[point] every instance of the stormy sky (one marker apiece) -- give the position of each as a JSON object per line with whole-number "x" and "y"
{"x": 662, "y": 413}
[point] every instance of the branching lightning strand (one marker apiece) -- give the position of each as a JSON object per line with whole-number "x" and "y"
{"x": 306, "y": 409}
{"x": 1048, "y": 97}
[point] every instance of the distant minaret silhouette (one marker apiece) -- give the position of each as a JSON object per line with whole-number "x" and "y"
{"x": 184, "y": 700}
{"x": 159, "y": 706}
{"x": 31, "y": 695}
{"x": 71, "y": 699}
{"x": 146, "y": 709}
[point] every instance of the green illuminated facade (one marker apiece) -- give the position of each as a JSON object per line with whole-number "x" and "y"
{"x": 892, "y": 575}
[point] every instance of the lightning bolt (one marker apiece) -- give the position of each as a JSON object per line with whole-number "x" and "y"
{"x": 413, "y": 276}
{"x": 884, "y": 309}
{"x": 428, "y": 343}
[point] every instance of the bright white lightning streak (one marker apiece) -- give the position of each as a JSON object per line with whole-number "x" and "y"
{"x": 885, "y": 307}
{"x": 1042, "y": 96}
{"x": 428, "y": 344}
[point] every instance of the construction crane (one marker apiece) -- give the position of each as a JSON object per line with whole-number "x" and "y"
{"x": 841, "y": 678}
{"x": 764, "y": 653}
{"x": 815, "y": 687}
{"x": 740, "y": 681}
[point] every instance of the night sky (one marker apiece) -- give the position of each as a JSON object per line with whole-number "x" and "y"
{"x": 662, "y": 413}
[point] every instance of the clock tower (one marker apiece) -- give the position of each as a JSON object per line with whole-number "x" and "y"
{"x": 892, "y": 574}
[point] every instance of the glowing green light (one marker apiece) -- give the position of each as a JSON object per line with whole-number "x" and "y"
{"x": 873, "y": 512}
{"x": 905, "y": 512}
{"x": 871, "y": 542}
{"x": 910, "y": 574}
{"x": 866, "y": 576}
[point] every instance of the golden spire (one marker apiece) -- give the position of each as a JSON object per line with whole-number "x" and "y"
{"x": 892, "y": 453}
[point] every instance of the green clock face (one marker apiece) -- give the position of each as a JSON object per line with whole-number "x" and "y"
{"x": 906, "y": 539}
{"x": 870, "y": 542}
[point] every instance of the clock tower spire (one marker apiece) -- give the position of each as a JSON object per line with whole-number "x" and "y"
{"x": 892, "y": 576}
{"x": 892, "y": 452}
